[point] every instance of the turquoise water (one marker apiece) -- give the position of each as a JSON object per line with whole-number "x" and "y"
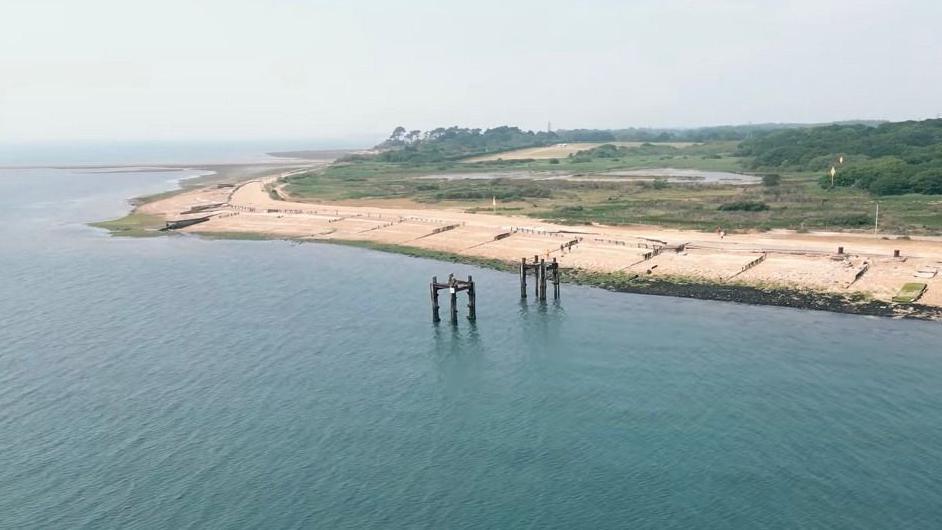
{"x": 183, "y": 383}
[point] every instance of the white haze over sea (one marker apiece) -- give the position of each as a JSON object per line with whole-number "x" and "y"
{"x": 216, "y": 69}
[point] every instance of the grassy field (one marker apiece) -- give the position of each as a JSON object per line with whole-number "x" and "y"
{"x": 133, "y": 225}
{"x": 797, "y": 202}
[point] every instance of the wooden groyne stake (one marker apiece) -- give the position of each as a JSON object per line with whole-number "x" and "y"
{"x": 183, "y": 223}
{"x": 453, "y": 298}
{"x": 536, "y": 276}
{"x": 434, "y": 291}
{"x": 555, "y": 268}
{"x": 454, "y": 286}
{"x": 523, "y": 277}
{"x": 472, "y": 311}
{"x": 540, "y": 269}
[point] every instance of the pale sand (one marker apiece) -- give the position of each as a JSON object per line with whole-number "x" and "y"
{"x": 794, "y": 260}
{"x": 558, "y": 151}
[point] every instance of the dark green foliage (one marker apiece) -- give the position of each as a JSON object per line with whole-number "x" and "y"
{"x": 851, "y": 220}
{"x": 723, "y": 133}
{"x": 610, "y": 151}
{"x": 890, "y": 159}
{"x": 771, "y": 179}
{"x": 585, "y": 135}
{"x": 660, "y": 184}
{"x": 744, "y": 206}
{"x": 443, "y": 144}
{"x": 502, "y": 189}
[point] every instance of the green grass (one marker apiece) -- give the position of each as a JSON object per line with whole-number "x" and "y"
{"x": 909, "y": 293}
{"x": 241, "y": 236}
{"x": 797, "y": 203}
{"x": 133, "y": 225}
{"x": 374, "y": 179}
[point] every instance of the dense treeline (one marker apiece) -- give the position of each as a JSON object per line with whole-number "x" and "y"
{"x": 457, "y": 142}
{"x": 702, "y": 134}
{"x": 417, "y": 147}
{"x": 721, "y": 133}
{"x": 617, "y": 151}
{"x": 889, "y": 159}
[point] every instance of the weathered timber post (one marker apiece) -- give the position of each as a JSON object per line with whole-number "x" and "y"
{"x": 896, "y": 253}
{"x": 542, "y": 274}
{"x": 472, "y": 312}
{"x": 454, "y": 298}
{"x": 523, "y": 277}
{"x": 555, "y": 279}
{"x": 434, "y": 293}
{"x": 536, "y": 276}
{"x": 454, "y": 286}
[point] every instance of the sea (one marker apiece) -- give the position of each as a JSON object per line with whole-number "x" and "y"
{"x": 179, "y": 382}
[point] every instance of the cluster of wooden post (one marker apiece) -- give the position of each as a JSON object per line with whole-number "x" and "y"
{"x": 540, "y": 269}
{"x": 454, "y": 286}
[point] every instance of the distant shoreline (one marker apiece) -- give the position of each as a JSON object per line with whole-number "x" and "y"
{"x": 252, "y": 206}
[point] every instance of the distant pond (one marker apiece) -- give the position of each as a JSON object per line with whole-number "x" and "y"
{"x": 678, "y": 176}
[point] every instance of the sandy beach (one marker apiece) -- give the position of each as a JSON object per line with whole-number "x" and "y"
{"x": 768, "y": 259}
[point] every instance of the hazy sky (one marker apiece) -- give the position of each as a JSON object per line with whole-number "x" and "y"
{"x": 238, "y": 69}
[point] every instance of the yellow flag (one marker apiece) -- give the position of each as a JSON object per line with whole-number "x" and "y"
{"x": 833, "y": 171}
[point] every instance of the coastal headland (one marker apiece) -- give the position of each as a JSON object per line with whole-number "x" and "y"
{"x": 853, "y": 272}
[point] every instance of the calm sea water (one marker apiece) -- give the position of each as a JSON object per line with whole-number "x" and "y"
{"x": 182, "y": 383}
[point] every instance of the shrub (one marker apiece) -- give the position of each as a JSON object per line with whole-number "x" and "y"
{"x": 744, "y": 206}
{"x": 853, "y": 220}
{"x": 771, "y": 180}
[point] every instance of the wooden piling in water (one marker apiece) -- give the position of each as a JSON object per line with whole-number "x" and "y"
{"x": 555, "y": 279}
{"x": 523, "y": 277}
{"x": 434, "y": 292}
{"x": 472, "y": 310}
{"x": 540, "y": 270}
{"x": 453, "y": 292}
{"x": 454, "y": 286}
{"x": 536, "y": 276}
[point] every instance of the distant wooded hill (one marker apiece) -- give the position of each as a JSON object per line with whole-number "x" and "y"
{"x": 416, "y": 146}
{"x": 883, "y": 158}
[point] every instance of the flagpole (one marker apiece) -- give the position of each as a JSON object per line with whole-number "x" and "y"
{"x": 876, "y": 220}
